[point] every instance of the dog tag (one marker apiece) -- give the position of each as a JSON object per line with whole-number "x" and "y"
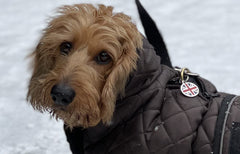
{"x": 189, "y": 89}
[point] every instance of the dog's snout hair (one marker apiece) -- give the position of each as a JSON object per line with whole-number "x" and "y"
{"x": 90, "y": 49}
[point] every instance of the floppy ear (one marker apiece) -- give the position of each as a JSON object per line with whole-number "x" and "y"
{"x": 130, "y": 39}
{"x": 42, "y": 62}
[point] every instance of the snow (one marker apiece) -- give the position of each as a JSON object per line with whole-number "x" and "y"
{"x": 201, "y": 35}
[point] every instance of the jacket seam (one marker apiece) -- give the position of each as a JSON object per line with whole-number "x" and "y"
{"x": 184, "y": 111}
{"x": 181, "y": 112}
{"x": 202, "y": 146}
{"x": 144, "y": 131}
{"x": 172, "y": 144}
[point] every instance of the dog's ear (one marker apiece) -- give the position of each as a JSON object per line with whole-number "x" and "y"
{"x": 41, "y": 65}
{"x": 130, "y": 39}
{"x": 37, "y": 63}
{"x": 43, "y": 60}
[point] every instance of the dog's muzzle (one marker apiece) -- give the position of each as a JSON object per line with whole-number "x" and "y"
{"x": 62, "y": 94}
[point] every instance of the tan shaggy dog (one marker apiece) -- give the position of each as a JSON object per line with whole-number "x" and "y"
{"x": 82, "y": 63}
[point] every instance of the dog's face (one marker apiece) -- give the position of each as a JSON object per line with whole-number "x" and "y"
{"x": 81, "y": 64}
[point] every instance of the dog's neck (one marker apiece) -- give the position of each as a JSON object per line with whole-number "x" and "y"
{"x": 148, "y": 72}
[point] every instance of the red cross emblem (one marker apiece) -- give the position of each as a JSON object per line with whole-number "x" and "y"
{"x": 189, "y": 89}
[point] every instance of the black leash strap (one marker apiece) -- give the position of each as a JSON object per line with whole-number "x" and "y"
{"x": 153, "y": 35}
{"x": 222, "y": 116}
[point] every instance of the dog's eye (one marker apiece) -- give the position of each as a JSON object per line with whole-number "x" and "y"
{"x": 103, "y": 58}
{"x": 65, "y": 48}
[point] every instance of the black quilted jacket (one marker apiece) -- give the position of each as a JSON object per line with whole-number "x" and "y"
{"x": 156, "y": 118}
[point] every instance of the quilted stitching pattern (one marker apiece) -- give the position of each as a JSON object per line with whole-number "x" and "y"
{"x": 172, "y": 124}
{"x": 205, "y": 132}
{"x": 176, "y": 125}
{"x": 153, "y": 119}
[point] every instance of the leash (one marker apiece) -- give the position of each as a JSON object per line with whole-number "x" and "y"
{"x": 153, "y": 35}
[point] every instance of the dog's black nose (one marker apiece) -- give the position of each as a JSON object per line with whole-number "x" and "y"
{"x": 62, "y": 94}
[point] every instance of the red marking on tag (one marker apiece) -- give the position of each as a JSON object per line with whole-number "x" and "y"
{"x": 189, "y": 89}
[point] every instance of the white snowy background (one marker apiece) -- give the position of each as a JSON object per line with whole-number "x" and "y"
{"x": 203, "y": 35}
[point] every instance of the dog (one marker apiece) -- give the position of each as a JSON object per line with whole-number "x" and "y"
{"x": 82, "y": 63}
{"x": 94, "y": 70}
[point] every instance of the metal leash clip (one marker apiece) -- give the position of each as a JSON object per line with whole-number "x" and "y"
{"x": 188, "y": 89}
{"x": 185, "y": 71}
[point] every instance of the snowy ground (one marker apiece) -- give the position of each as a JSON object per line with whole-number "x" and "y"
{"x": 202, "y": 35}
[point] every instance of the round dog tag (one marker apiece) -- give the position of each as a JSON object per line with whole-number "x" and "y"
{"x": 189, "y": 89}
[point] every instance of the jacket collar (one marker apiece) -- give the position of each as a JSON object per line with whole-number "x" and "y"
{"x": 147, "y": 74}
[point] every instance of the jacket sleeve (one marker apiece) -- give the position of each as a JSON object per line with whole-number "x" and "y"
{"x": 75, "y": 139}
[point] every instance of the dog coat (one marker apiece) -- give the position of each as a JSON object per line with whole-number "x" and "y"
{"x": 154, "y": 117}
